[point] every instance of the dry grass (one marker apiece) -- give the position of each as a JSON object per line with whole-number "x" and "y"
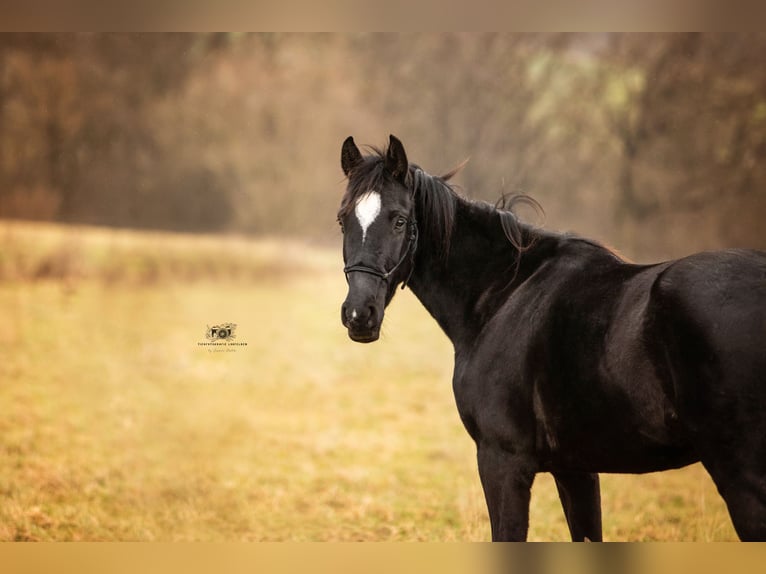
{"x": 117, "y": 426}
{"x": 43, "y": 251}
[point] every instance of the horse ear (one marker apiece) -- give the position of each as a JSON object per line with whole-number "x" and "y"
{"x": 396, "y": 159}
{"x": 350, "y": 156}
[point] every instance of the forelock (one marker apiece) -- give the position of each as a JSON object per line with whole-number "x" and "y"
{"x": 369, "y": 175}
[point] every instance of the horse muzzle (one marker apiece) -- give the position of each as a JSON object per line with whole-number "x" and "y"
{"x": 362, "y": 321}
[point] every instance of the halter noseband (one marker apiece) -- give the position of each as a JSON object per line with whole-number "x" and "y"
{"x": 412, "y": 245}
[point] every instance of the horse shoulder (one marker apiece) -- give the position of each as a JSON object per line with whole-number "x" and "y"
{"x": 495, "y": 376}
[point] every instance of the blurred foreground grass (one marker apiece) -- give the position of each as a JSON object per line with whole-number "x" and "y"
{"x": 116, "y": 425}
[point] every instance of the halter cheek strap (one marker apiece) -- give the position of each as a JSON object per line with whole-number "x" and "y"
{"x": 412, "y": 245}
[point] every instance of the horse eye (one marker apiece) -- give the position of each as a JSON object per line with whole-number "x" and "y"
{"x": 342, "y": 230}
{"x": 399, "y": 223}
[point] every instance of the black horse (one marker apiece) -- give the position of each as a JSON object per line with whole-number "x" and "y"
{"x": 568, "y": 360}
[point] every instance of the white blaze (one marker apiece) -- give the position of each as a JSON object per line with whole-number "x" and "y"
{"x": 367, "y": 210}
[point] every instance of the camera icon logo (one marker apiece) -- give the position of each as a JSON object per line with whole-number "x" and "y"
{"x": 222, "y": 332}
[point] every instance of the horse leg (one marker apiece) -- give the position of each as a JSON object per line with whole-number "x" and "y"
{"x": 747, "y": 508}
{"x": 745, "y": 497}
{"x": 580, "y": 496}
{"x": 507, "y": 481}
{"x": 734, "y": 453}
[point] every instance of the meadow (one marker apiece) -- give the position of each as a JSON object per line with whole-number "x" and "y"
{"x": 116, "y": 424}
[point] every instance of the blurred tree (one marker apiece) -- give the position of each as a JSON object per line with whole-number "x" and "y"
{"x": 77, "y": 142}
{"x": 693, "y": 130}
{"x": 649, "y": 140}
{"x": 523, "y": 106}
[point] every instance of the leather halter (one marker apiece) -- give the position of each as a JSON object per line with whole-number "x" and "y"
{"x": 412, "y": 245}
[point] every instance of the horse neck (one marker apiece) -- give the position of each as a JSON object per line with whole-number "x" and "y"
{"x": 479, "y": 273}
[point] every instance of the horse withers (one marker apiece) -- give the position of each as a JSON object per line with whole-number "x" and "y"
{"x": 568, "y": 360}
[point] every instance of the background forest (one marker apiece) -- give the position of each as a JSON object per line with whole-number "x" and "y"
{"x": 650, "y": 142}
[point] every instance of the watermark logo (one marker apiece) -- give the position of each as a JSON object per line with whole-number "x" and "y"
{"x": 222, "y": 332}
{"x": 221, "y": 338}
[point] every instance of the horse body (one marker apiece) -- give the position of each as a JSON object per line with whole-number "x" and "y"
{"x": 570, "y": 361}
{"x": 589, "y": 401}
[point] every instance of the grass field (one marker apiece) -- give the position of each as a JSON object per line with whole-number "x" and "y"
{"x": 116, "y": 425}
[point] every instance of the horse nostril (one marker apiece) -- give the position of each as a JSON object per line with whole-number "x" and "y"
{"x": 345, "y": 315}
{"x": 352, "y": 317}
{"x": 371, "y": 317}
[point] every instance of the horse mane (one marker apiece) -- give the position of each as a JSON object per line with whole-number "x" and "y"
{"x": 436, "y": 200}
